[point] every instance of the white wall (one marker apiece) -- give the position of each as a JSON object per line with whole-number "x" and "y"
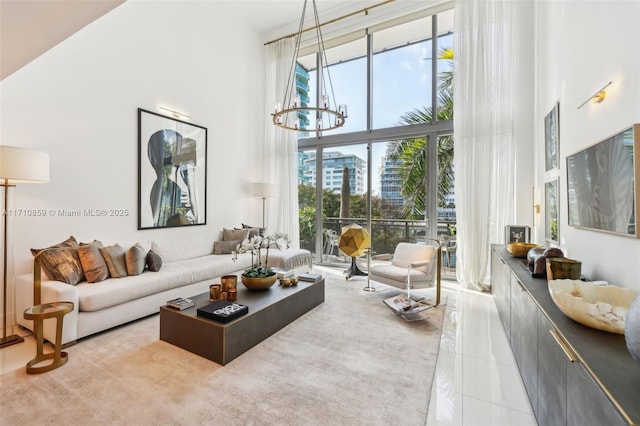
{"x": 580, "y": 46}
{"x": 523, "y": 75}
{"x": 79, "y": 101}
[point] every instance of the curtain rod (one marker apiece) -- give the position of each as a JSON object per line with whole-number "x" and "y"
{"x": 348, "y": 15}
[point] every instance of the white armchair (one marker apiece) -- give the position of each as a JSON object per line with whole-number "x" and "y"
{"x": 412, "y": 266}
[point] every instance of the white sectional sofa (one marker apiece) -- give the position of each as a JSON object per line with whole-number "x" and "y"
{"x": 188, "y": 268}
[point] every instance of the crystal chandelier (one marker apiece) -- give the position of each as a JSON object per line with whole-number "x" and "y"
{"x": 326, "y": 115}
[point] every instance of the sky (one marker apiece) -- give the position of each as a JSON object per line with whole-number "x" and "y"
{"x": 402, "y": 83}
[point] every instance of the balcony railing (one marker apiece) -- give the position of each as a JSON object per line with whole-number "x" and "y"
{"x": 385, "y": 236}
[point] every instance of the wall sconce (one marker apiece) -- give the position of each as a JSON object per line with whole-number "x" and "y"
{"x": 536, "y": 205}
{"x": 598, "y": 96}
{"x": 176, "y": 114}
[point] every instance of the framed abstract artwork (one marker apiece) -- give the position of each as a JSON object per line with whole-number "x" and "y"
{"x": 551, "y": 209}
{"x": 602, "y": 184}
{"x": 172, "y": 172}
{"x": 552, "y": 139}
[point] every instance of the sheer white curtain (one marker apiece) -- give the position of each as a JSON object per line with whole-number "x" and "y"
{"x": 483, "y": 127}
{"x": 281, "y": 146}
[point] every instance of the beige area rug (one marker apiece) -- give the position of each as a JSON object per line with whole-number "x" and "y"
{"x": 350, "y": 361}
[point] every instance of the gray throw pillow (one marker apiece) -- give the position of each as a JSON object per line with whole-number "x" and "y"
{"x": 115, "y": 257}
{"x": 225, "y": 247}
{"x": 254, "y": 230}
{"x": 93, "y": 264}
{"x": 136, "y": 259}
{"x": 154, "y": 261}
{"x": 235, "y": 234}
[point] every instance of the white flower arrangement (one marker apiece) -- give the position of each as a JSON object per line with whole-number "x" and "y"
{"x": 254, "y": 246}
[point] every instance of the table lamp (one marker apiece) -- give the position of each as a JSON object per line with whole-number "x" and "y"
{"x": 17, "y": 165}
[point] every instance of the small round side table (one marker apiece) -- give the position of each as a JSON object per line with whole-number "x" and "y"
{"x": 38, "y": 314}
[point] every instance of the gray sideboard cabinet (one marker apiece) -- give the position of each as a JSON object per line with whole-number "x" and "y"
{"x": 573, "y": 374}
{"x": 524, "y": 337}
{"x": 501, "y": 289}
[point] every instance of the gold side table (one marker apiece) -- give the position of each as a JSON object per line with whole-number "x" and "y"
{"x": 38, "y": 314}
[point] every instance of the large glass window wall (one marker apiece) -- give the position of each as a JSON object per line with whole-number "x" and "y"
{"x": 401, "y": 182}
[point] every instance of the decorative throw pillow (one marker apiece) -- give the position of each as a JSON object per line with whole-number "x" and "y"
{"x": 253, "y": 230}
{"x": 93, "y": 264}
{"x": 136, "y": 258}
{"x": 115, "y": 257}
{"x": 154, "y": 261}
{"x": 234, "y": 234}
{"x": 225, "y": 247}
{"x": 61, "y": 262}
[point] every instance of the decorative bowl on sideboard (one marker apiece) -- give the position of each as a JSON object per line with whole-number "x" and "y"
{"x": 560, "y": 268}
{"x": 520, "y": 249}
{"x": 603, "y": 307}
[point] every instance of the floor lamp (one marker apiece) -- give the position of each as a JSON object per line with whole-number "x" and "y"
{"x": 263, "y": 190}
{"x": 17, "y": 165}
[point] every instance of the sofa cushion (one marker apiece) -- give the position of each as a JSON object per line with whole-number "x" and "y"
{"x": 93, "y": 297}
{"x": 154, "y": 262}
{"x": 61, "y": 261}
{"x": 225, "y": 247}
{"x": 188, "y": 247}
{"x": 93, "y": 264}
{"x": 114, "y": 256}
{"x": 136, "y": 259}
{"x": 397, "y": 273}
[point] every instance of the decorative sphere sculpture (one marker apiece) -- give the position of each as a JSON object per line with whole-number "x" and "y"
{"x": 354, "y": 240}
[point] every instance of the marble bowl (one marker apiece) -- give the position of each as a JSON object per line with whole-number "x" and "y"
{"x": 520, "y": 249}
{"x": 603, "y": 307}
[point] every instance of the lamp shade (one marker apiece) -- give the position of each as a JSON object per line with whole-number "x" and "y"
{"x": 19, "y": 165}
{"x": 263, "y": 190}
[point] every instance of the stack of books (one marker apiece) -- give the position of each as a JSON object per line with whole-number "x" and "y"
{"x": 310, "y": 277}
{"x": 223, "y": 311}
{"x": 181, "y": 303}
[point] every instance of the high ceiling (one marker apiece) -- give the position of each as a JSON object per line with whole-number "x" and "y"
{"x": 30, "y": 28}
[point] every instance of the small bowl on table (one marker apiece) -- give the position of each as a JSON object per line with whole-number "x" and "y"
{"x": 520, "y": 249}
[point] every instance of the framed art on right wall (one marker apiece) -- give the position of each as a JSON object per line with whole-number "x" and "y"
{"x": 552, "y": 139}
{"x": 602, "y": 184}
{"x": 551, "y": 208}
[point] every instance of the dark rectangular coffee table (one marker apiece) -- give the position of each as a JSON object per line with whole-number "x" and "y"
{"x": 269, "y": 311}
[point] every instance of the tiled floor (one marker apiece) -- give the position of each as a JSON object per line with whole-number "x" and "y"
{"x": 476, "y": 380}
